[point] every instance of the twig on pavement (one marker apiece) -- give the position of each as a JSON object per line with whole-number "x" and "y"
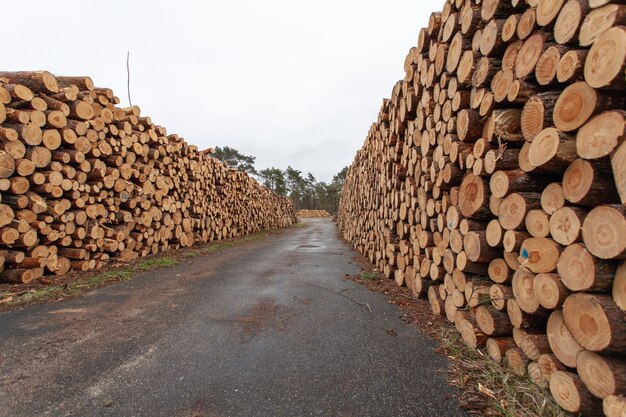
{"x": 344, "y": 295}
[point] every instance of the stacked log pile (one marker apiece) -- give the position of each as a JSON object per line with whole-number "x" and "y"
{"x": 313, "y": 213}
{"x": 494, "y": 183}
{"x": 83, "y": 180}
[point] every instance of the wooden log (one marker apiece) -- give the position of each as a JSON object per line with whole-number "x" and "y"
{"x": 514, "y": 207}
{"x": 552, "y": 198}
{"x": 548, "y": 10}
{"x": 571, "y": 66}
{"x": 505, "y": 126}
{"x": 499, "y": 271}
{"x": 504, "y": 182}
{"x": 493, "y": 322}
{"x": 566, "y": 225}
{"x": 601, "y": 135}
{"x": 571, "y": 394}
{"x": 39, "y": 81}
{"x": 82, "y": 82}
{"x": 529, "y": 54}
{"x": 569, "y": 20}
{"x": 548, "y": 364}
{"x": 578, "y": 102}
{"x": 526, "y": 23}
{"x": 495, "y": 8}
{"x": 561, "y": 341}
{"x": 619, "y": 286}
{"x": 537, "y": 114}
{"x": 491, "y": 42}
{"x": 477, "y": 249}
{"x": 436, "y": 303}
{"x": 539, "y": 255}
{"x": 510, "y": 56}
{"x": 469, "y": 125}
{"x": 524, "y": 292}
{"x": 604, "y": 232}
{"x": 603, "y": 376}
{"x": 477, "y": 292}
{"x": 537, "y": 223}
{"x": 532, "y": 343}
{"x": 471, "y": 334}
{"x": 513, "y": 240}
{"x": 618, "y": 164}
{"x": 535, "y": 375}
{"x": 550, "y": 291}
{"x": 552, "y": 150}
{"x": 499, "y": 295}
{"x": 509, "y": 30}
{"x": 516, "y": 361}
{"x": 596, "y": 322}
{"x": 497, "y": 347}
{"x": 614, "y": 406}
{"x": 599, "y": 20}
{"x": 521, "y": 319}
{"x": 493, "y": 233}
{"x": 17, "y": 275}
{"x": 604, "y": 66}
{"x": 548, "y": 63}
{"x": 472, "y": 199}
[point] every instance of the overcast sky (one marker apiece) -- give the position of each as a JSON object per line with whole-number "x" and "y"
{"x": 292, "y": 83}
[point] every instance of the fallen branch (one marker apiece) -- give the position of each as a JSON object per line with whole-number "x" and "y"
{"x": 344, "y": 295}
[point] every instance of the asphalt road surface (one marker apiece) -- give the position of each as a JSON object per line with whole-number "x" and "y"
{"x": 270, "y": 328}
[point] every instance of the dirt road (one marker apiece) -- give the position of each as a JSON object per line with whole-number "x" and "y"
{"x": 270, "y": 328}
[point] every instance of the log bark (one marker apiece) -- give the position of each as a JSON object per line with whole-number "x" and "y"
{"x": 619, "y": 286}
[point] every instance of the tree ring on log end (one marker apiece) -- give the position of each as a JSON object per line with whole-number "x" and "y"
{"x": 574, "y": 106}
{"x": 471, "y": 195}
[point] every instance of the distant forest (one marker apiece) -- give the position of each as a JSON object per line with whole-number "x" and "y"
{"x": 304, "y": 190}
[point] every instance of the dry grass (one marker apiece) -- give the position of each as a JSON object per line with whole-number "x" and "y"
{"x": 491, "y": 388}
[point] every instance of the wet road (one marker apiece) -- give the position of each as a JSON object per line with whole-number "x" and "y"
{"x": 269, "y": 328}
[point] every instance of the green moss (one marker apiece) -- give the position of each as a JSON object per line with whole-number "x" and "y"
{"x": 156, "y": 263}
{"x": 369, "y": 275}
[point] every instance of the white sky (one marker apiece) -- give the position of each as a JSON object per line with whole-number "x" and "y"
{"x": 292, "y": 83}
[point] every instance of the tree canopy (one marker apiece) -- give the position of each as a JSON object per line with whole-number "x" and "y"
{"x": 303, "y": 189}
{"x": 233, "y": 158}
